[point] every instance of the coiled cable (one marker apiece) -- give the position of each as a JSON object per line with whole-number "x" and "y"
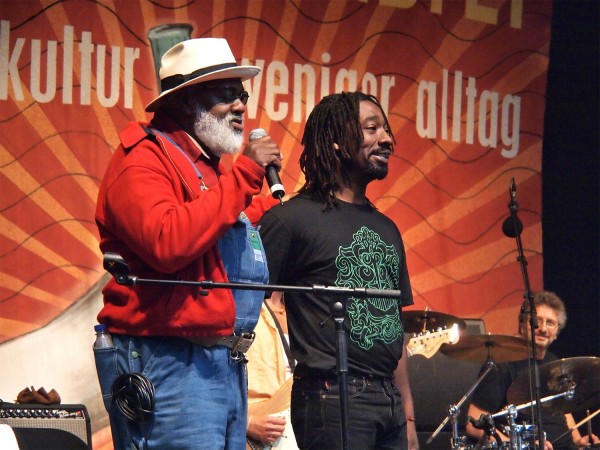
{"x": 133, "y": 395}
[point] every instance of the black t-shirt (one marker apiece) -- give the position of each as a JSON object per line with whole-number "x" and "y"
{"x": 491, "y": 395}
{"x": 350, "y": 246}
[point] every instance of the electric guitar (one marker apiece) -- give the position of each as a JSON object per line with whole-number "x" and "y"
{"x": 426, "y": 344}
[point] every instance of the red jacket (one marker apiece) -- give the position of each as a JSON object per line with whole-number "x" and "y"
{"x": 153, "y": 213}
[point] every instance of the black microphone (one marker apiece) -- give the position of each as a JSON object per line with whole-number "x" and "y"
{"x": 513, "y": 205}
{"x": 512, "y": 226}
{"x": 272, "y": 175}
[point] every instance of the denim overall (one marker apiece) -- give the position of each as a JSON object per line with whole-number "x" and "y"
{"x": 201, "y": 393}
{"x": 243, "y": 255}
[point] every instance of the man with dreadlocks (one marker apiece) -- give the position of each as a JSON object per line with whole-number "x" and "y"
{"x": 330, "y": 234}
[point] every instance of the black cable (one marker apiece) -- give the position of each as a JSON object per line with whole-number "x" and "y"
{"x": 133, "y": 394}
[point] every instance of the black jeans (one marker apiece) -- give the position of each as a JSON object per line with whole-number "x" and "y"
{"x": 376, "y": 419}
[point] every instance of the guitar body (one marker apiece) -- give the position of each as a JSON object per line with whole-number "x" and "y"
{"x": 287, "y": 441}
{"x": 278, "y": 405}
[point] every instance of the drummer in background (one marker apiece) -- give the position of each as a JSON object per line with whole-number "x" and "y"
{"x": 491, "y": 394}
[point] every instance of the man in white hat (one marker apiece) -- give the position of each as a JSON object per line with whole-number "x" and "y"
{"x": 175, "y": 376}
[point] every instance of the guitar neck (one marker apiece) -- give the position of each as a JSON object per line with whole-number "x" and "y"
{"x": 428, "y": 343}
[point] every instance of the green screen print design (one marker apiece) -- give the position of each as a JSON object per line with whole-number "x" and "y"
{"x": 368, "y": 262}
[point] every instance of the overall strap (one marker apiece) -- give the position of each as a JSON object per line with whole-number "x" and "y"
{"x": 154, "y": 132}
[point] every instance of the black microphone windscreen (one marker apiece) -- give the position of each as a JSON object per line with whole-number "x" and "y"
{"x": 508, "y": 227}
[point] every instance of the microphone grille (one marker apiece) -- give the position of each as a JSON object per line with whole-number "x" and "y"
{"x": 508, "y": 227}
{"x": 257, "y": 133}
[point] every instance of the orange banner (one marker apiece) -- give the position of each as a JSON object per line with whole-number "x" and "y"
{"x": 463, "y": 83}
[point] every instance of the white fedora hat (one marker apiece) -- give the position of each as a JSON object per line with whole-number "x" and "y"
{"x": 196, "y": 61}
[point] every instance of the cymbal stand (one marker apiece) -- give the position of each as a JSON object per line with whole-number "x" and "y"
{"x": 454, "y": 410}
{"x": 568, "y": 394}
{"x": 514, "y": 435}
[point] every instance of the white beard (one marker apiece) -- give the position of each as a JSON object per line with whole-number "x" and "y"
{"x": 217, "y": 133}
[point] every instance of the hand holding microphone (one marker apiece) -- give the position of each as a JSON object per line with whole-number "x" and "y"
{"x": 267, "y": 152}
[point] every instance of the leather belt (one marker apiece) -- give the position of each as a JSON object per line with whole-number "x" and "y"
{"x": 332, "y": 377}
{"x": 237, "y": 343}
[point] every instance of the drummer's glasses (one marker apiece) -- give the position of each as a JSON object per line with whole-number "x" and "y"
{"x": 551, "y": 324}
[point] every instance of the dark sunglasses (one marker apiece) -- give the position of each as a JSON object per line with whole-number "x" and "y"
{"x": 227, "y": 94}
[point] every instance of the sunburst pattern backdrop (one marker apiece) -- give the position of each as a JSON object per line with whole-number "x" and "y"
{"x": 463, "y": 83}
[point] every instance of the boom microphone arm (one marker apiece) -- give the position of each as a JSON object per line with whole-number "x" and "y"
{"x": 118, "y": 268}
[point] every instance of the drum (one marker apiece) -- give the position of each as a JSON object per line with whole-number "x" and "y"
{"x": 525, "y": 440}
{"x": 524, "y": 436}
{"x": 492, "y": 445}
{"x": 486, "y": 445}
{"x": 522, "y": 446}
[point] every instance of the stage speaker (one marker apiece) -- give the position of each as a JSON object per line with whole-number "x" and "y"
{"x": 473, "y": 326}
{"x": 48, "y": 427}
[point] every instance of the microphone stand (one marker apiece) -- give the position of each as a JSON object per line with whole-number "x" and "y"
{"x": 118, "y": 268}
{"x": 513, "y": 227}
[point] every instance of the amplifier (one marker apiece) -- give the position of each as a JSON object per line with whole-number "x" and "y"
{"x": 48, "y": 427}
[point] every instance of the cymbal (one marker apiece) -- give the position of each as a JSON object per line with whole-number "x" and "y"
{"x": 418, "y": 321}
{"x": 488, "y": 347}
{"x": 581, "y": 373}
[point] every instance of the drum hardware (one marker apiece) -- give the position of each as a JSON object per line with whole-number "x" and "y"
{"x": 506, "y": 411}
{"x": 521, "y": 436}
{"x": 486, "y": 423}
{"x": 488, "y": 348}
{"x": 458, "y": 442}
{"x": 513, "y": 435}
{"x": 516, "y": 432}
{"x": 421, "y": 321}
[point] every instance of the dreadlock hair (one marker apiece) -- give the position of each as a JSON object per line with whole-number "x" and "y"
{"x": 334, "y": 120}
